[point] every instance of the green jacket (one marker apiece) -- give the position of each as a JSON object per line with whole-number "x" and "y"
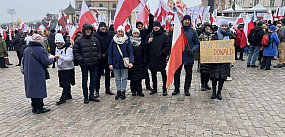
{"x": 3, "y": 49}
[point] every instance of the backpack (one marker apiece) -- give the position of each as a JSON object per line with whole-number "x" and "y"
{"x": 265, "y": 40}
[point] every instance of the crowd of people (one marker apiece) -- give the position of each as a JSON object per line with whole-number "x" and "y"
{"x": 131, "y": 55}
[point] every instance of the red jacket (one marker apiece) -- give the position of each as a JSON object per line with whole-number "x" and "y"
{"x": 240, "y": 39}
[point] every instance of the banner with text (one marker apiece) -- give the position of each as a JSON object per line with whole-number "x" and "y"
{"x": 217, "y": 51}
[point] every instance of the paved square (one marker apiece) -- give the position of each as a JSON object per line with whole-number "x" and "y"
{"x": 253, "y": 105}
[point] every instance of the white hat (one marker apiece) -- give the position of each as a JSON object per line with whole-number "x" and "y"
{"x": 121, "y": 28}
{"x": 135, "y": 30}
{"x": 59, "y": 38}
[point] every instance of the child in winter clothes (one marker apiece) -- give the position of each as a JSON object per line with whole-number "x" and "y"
{"x": 64, "y": 56}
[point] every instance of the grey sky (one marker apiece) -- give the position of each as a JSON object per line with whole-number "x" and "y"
{"x": 30, "y": 10}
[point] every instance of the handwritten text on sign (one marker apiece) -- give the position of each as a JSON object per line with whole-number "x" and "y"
{"x": 217, "y": 51}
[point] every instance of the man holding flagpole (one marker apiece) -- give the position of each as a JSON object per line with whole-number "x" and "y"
{"x": 187, "y": 56}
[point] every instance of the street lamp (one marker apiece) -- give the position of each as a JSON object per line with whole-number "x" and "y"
{"x": 11, "y": 12}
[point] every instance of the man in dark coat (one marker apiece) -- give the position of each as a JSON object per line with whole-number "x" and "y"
{"x": 16, "y": 42}
{"x": 87, "y": 52}
{"x": 143, "y": 34}
{"x": 158, "y": 48}
{"x": 187, "y": 56}
{"x": 35, "y": 59}
{"x": 104, "y": 38}
{"x": 51, "y": 43}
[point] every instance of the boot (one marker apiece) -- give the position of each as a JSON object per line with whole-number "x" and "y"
{"x": 61, "y": 101}
{"x": 219, "y": 95}
{"x": 176, "y": 91}
{"x": 123, "y": 95}
{"x": 109, "y": 92}
{"x": 207, "y": 87}
{"x": 44, "y": 110}
{"x": 164, "y": 93}
{"x": 154, "y": 91}
{"x": 186, "y": 93}
{"x": 118, "y": 95}
{"x": 86, "y": 100}
{"x": 68, "y": 95}
{"x": 214, "y": 93}
{"x": 203, "y": 87}
{"x": 96, "y": 94}
{"x": 140, "y": 93}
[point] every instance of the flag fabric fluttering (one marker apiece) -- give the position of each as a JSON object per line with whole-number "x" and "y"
{"x": 85, "y": 16}
{"x": 123, "y": 10}
{"x": 179, "y": 42}
{"x": 248, "y": 25}
{"x": 142, "y": 12}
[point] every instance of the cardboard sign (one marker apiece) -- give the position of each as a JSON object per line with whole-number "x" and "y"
{"x": 217, "y": 51}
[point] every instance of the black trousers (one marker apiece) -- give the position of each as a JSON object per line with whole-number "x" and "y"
{"x": 2, "y": 62}
{"x": 154, "y": 79}
{"x": 136, "y": 86}
{"x": 66, "y": 79}
{"x": 205, "y": 77}
{"x": 38, "y": 103}
{"x": 266, "y": 62}
{"x": 147, "y": 79}
{"x": 260, "y": 55}
{"x": 103, "y": 68}
{"x": 19, "y": 56}
{"x": 237, "y": 48}
{"x": 188, "y": 77}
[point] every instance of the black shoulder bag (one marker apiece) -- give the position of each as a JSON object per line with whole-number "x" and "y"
{"x": 47, "y": 76}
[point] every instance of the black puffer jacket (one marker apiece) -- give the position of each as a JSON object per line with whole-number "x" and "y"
{"x": 87, "y": 50}
{"x": 158, "y": 50}
{"x": 104, "y": 39}
{"x": 138, "y": 70}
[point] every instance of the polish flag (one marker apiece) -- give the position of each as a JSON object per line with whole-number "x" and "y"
{"x": 3, "y": 33}
{"x": 179, "y": 42}
{"x": 127, "y": 25}
{"x": 142, "y": 13}
{"x": 123, "y": 10}
{"x": 85, "y": 16}
{"x": 239, "y": 20}
{"x": 162, "y": 11}
{"x": 248, "y": 25}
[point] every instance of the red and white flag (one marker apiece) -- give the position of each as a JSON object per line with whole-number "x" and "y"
{"x": 123, "y": 10}
{"x": 248, "y": 25}
{"x": 142, "y": 13}
{"x": 96, "y": 11}
{"x": 162, "y": 11}
{"x": 127, "y": 25}
{"x": 85, "y": 16}
{"x": 239, "y": 20}
{"x": 179, "y": 42}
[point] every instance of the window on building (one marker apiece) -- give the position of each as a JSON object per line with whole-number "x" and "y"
{"x": 272, "y": 3}
{"x": 255, "y": 2}
{"x": 114, "y": 6}
{"x": 101, "y": 5}
{"x": 283, "y": 3}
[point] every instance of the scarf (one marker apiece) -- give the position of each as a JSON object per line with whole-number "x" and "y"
{"x": 223, "y": 35}
{"x": 120, "y": 40}
{"x": 136, "y": 41}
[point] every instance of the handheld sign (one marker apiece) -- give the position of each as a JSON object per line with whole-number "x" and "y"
{"x": 217, "y": 51}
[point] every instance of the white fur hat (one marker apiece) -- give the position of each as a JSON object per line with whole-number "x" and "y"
{"x": 59, "y": 38}
{"x": 135, "y": 30}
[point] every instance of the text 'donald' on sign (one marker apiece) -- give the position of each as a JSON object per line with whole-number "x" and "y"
{"x": 217, "y": 51}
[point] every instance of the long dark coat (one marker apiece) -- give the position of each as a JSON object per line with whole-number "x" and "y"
{"x": 157, "y": 51}
{"x": 34, "y": 74}
{"x": 138, "y": 70}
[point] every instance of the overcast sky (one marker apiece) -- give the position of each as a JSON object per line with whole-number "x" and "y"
{"x": 30, "y": 10}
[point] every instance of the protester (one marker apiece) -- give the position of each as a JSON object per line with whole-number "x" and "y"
{"x": 271, "y": 50}
{"x": 207, "y": 35}
{"x": 120, "y": 49}
{"x": 52, "y": 45}
{"x": 3, "y": 52}
{"x": 220, "y": 71}
{"x": 281, "y": 47}
{"x": 143, "y": 34}
{"x": 66, "y": 74}
{"x": 87, "y": 52}
{"x": 187, "y": 57}
{"x": 16, "y": 42}
{"x": 158, "y": 48}
{"x": 104, "y": 38}
{"x": 240, "y": 42}
{"x": 137, "y": 73}
{"x": 254, "y": 38}
{"x": 35, "y": 61}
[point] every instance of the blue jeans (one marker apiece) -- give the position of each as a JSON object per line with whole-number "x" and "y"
{"x": 121, "y": 77}
{"x": 252, "y": 54}
{"x": 93, "y": 76}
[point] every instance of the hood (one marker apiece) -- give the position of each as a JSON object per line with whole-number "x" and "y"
{"x": 85, "y": 27}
